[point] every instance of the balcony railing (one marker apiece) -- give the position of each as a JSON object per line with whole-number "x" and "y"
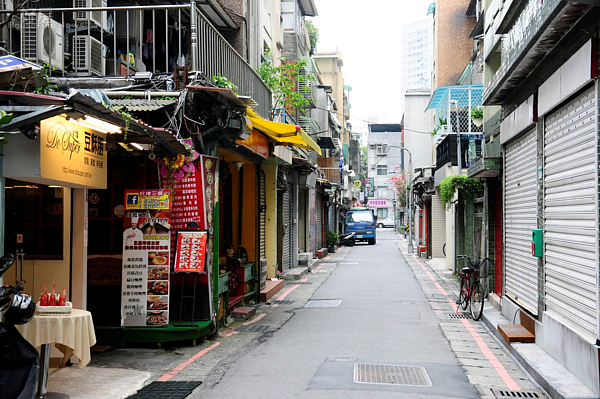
{"x": 119, "y": 41}
{"x": 446, "y": 151}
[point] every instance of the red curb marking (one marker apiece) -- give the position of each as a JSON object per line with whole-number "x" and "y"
{"x": 318, "y": 268}
{"x": 485, "y": 349}
{"x": 286, "y": 293}
{"x": 257, "y": 318}
{"x": 191, "y": 360}
{"x": 305, "y": 279}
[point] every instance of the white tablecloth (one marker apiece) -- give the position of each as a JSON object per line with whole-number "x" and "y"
{"x": 75, "y": 332}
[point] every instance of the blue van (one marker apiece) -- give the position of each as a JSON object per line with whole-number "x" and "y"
{"x": 363, "y": 223}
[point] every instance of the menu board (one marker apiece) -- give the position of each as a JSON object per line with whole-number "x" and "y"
{"x": 190, "y": 253}
{"x": 146, "y": 252}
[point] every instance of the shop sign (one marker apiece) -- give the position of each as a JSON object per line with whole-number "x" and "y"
{"x": 70, "y": 153}
{"x": 258, "y": 143}
{"x": 376, "y": 203}
{"x": 146, "y": 258}
{"x": 357, "y": 183}
{"x": 190, "y": 253}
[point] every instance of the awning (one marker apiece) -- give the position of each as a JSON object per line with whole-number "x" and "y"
{"x": 441, "y": 91}
{"x": 283, "y": 133}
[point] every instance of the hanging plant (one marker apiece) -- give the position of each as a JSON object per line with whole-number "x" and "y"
{"x": 477, "y": 113}
{"x": 178, "y": 168}
{"x": 470, "y": 188}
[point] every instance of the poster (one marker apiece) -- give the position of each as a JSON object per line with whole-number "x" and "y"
{"x": 146, "y": 252}
{"x": 190, "y": 253}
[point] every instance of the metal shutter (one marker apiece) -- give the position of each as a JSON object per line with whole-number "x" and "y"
{"x": 288, "y": 229}
{"x": 570, "y": 214}
{"x": 319, "y": 226}
{"x": 438, "y": 228}
{"x": 520, "y": 217}
{"x": 331, "y": 218}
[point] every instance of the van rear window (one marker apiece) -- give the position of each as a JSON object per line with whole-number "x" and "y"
{"x": 360, "y": 216}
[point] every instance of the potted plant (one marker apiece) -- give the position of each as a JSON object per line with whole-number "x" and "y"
{"x": 477, "y": 116}
{"x": 332, "y": 240}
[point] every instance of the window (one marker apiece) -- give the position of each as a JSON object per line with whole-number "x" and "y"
{"x": 381, "y": 170}
{"x": 382, "y": 192}
{"x": 382, "y": 213}
{"x": 382, "y": 149}
{"x": 34, "y": 212}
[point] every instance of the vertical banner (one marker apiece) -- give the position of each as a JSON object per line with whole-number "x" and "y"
{"x": 209, "y": 179}
{"x": 146, "y": 252}
{"x": 190, "y": 252}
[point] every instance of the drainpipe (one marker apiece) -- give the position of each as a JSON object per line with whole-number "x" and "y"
{"x": 194, "y": 34}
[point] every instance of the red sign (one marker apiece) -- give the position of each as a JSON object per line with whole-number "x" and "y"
{"x": 190, "y": 256}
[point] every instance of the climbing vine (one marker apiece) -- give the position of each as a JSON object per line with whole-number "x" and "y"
{"x": 469, "y": 187}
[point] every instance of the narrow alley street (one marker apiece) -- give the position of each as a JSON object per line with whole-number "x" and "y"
{"x": 362, "y": 306}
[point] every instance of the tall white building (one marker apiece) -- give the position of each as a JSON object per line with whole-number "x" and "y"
{"x": 417, "y": 55}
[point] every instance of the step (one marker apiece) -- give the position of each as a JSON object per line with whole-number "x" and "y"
{"x": 272, "y": 288}
{"x": 516, "y": 333}
{"x": 296, "y": 273}
{"x": 243, "y": 313}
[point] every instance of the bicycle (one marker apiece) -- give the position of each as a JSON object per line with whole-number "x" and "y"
{"x": 472, "y": 289}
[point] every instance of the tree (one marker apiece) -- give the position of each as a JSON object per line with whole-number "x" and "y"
{"x": 400, "y": 184}
{"x": 364, "y": 157}
{"x": 313, "y": 35}
{"x": 283, "y": 81}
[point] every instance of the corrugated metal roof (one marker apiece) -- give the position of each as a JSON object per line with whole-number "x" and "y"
{"x": 138, "y": 104}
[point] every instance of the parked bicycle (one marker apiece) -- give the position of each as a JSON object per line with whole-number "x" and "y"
{"x": 472, "y": 288}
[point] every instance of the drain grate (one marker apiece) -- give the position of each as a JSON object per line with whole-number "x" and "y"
{"x": 458, "y": 316}
{"x": 367, "y": 373}
{"x": 284, "y": 302}
{"x": 503, "y": 393}
{"x": 254, "y": 328}
{"x": 323, "y": 303}
{"x": 167, "y": 390}
{"x": 304, "y": 282}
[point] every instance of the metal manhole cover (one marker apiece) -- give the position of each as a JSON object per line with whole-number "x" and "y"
{"x": 283, "y": 302}
{"x": 367, "y": 373}
{"x": 458, "y": 316}
{"x": 503, "y": 393}
{"x": 254, "y": 328}
{"x": 323, "y": 303}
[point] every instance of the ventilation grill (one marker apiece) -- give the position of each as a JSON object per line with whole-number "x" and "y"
{"x": 458, "y": 316}
{"x": 502, "y": 393}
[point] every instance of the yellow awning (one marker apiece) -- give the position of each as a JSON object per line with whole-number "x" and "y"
{"x": 283, "y": 133}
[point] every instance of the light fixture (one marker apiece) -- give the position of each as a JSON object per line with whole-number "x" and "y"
{"x": 136, "y": 145}
{"x": 97, "y": 124}
{"x": 238, "y": 164}
{"x": 82, "y": 123}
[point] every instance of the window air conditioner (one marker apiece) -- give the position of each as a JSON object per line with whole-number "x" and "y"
{"x": 97, "y": 17}
{"x": 42, "y": 40}
{"x": 90, "y": 55}
{"x": 371, "y": 145}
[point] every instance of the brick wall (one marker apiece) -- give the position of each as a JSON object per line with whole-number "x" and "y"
{"x": 454, "y": 46}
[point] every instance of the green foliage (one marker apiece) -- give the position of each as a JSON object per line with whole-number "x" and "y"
{"x": 400, "y": 184}
{"x": 477, "y": 113}
{"x": 4, "y": 120}
{"x": 221, "y": 81}
{"x": 45, "y": 74}
{"x": 364, "y": 157}
{"x": 283, "y": 79}
{"x": 470, "y": 188}
{"x": 332, "y": 238}
{"x": 441, "y": 122}
{"x": 313, "y": 35}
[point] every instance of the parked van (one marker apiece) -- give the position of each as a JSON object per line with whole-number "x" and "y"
{"x": 363, "y": 223}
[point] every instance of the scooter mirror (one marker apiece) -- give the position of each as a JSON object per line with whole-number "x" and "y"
{"x": 5, "y": 262}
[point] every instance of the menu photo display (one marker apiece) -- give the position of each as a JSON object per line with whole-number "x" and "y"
{"x": 190, "y": 254}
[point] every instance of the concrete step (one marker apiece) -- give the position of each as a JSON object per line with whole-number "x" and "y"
{"x": 296, "y": 273}
{"x": 243, "y": 313}
{"x": 272, "y": 288}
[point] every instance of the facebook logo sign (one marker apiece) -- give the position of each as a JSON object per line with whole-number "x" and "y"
{"x": 132, "y": 199}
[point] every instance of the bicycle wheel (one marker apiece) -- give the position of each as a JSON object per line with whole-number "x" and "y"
{"x": 477, "y": 300}
{"x": 463, "y": 295}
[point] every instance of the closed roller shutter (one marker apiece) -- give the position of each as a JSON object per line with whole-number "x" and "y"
{"x": 263, "y": 215}
{"x": 288, "y": 229}
{"x": 520, "y": 216}
{"x": 570, "y": 151}
{"x": 331, "y": 218}
{"x": 319, "y": 226}
{"x": 438, "y": 227}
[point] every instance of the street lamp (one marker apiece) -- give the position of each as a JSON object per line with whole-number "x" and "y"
{"x": 410, "y": 227}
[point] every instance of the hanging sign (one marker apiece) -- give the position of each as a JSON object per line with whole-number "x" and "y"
{"x": 190, "y": 253}
{"x": 146, "y": 251}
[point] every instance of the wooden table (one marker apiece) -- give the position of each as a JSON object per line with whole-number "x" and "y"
{"x": 72, "y": 334}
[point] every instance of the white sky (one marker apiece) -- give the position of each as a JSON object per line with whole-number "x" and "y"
{"x": 368, "y": 34}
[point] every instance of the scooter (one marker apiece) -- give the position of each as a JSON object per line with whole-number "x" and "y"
{"x": 19, "y": 365}
{"x": 348, "y": 239}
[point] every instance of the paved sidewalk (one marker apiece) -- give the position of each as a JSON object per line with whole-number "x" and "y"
{"x": 528, "y": 365}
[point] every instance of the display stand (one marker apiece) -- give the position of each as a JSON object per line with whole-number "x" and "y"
{"x": 184, "y": 282}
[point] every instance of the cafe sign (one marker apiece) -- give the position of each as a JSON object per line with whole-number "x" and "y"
{"x": 72, "y": 153}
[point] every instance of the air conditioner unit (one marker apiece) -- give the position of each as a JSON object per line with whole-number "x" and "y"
{"x": 373, "y": 166}
{"x": 371, "y": 145}
{"x": 42, "y": 40}
{"x": 97, "y": 17}
{"x": 90, "y": 55}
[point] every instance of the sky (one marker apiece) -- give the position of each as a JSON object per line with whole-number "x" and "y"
{"x": 368, "y": 34}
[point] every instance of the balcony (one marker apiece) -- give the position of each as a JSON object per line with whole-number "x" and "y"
{"x": 535, "y": 32}
{"x": 120, "y": 41}
{"x": 447, "y": 151}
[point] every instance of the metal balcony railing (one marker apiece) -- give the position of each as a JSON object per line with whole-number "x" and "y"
{"x": 118, "y": 41}
{"x": 447, "y": 150}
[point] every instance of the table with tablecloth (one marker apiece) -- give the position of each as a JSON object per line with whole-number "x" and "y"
{"x": 72, "y": 334}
